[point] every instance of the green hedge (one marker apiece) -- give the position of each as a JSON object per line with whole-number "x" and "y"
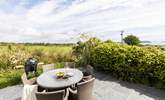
{"x": 131, "y": 63}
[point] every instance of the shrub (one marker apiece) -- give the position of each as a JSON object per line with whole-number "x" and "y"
{"x": 83, "y": 50}
{"x": 132, "y": 40}
{"x": 131, "y": 63}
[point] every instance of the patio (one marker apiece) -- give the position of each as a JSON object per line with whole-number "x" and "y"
{"x": 105, "y": 88}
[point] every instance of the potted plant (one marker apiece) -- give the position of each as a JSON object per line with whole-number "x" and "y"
{"x": 83, "y": 51}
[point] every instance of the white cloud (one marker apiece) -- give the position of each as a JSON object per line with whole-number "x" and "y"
{"x": 57, "y": 21}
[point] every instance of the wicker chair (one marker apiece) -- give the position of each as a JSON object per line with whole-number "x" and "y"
{"x": 83, "y": 92}
{"x": 88, "y": 70}
{"x": 48, "y": 67}
{"x": 28, "y": 92}
{"x": 26, "y": 81}
{"x": 86, "y": 78}
{"x": 56, "y": 95}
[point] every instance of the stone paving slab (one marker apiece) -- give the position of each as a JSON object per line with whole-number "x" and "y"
{"x": 109, "y": 88}
{"x": 105, "y": 88}
{"x": 11, "y": 93}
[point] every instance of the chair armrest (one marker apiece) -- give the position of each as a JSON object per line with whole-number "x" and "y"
{"x": 32, "y": 81}
{"x": 72, "y": 91}
{"x": 87, "y": 77}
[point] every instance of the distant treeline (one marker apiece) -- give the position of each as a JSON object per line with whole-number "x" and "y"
{"x": 32, "y": 44}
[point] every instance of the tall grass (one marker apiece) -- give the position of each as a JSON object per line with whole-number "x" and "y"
{"x": 9, "y": 78}
{"x": 16, "y": 54}
{"x": 12, "y": 55}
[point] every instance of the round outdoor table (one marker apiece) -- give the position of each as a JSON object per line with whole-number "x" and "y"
{"x": 49, "y": 79}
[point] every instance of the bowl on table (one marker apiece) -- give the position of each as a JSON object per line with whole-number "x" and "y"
{"x": 60, "y": 74}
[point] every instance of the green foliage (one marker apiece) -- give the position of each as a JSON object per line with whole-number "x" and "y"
{"x": 131, "y": 63}
{"x": 59, "y": 65}
{"x": 9, "y": 78}
{"x": 132, "y": 40}
{"x": 37, "y": 53}
{"x": 9, "y": 47}
{"x": 83, "y": 50}
{"x": 16, "y": 54}
{"x": 108, "y": 41}
{"x": 32, "y": 75}
{"x": 13, "y": 77}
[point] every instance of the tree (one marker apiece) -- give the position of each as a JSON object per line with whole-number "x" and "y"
{"x": 132, "y": 40}
{"x": 108, "y": 41}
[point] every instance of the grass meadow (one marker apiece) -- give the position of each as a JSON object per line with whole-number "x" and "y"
{"x": 12, "y": 55}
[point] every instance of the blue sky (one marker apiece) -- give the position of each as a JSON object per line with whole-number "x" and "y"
{"x": 63, "y": 20}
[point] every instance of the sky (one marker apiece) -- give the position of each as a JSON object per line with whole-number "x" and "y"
{"x": 62, "y": 21}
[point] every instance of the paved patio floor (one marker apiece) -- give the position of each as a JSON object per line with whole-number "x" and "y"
{"x": 109, "y": 88}
{"x": 105, "y": 88}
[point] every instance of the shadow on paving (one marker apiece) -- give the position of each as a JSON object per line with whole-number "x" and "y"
{"x": 142, "y": 90}
{"x": 18, "y": 98}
